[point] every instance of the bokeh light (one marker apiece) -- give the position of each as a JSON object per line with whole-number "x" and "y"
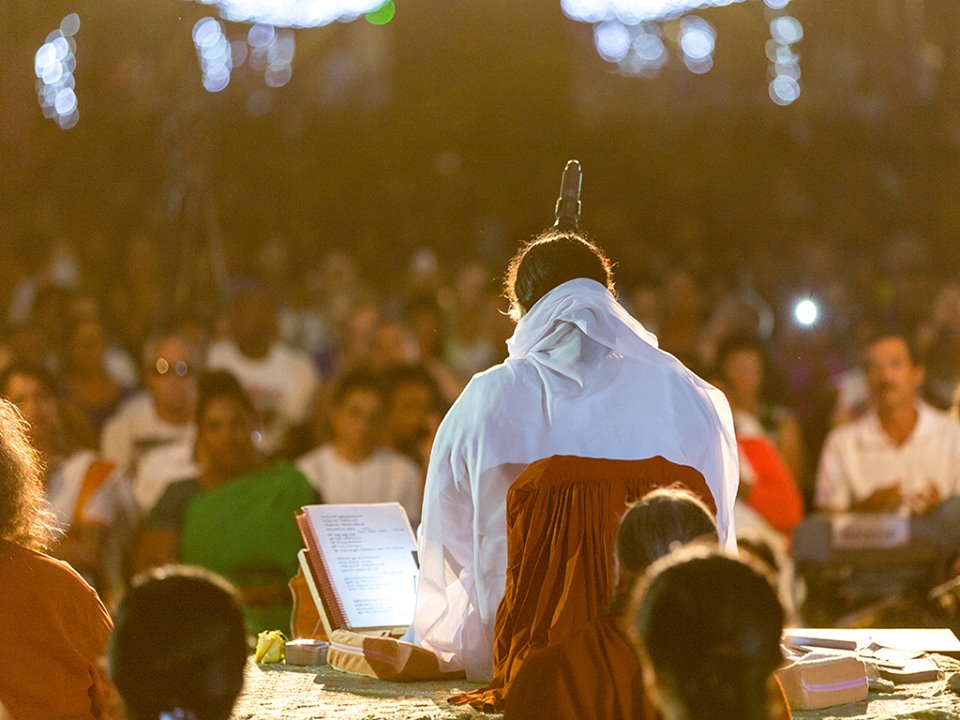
{"x": 806, "y": 312}
{"x": 296, "y": 13}
{"x": 54, "y": 64}
{"x": 785, "y": 32}
{"x": 613, "y": 40}
{"x": 214, "y": 53}
{"x": 635, "y": 11}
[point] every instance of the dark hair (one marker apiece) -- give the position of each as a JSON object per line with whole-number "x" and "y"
{"x": 30, "y": 370}
{"x": 710, "y": 626}
{"x": 218, "y": 384}
{"x": 25, "y": 518}
{"x": 739, "y": 342}
{"x": 179, "y": 643}
{"x": 894, "y": 333}
{"x": 399, "y": 375}
{"x": 660, "y": 521}
{"x": 549, "y": 260}
{"x": 360, "y": 379}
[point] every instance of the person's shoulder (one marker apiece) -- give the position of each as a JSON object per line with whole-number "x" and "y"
{"x": 398, "y": 462}
{"x": 46, "y": 570}
{"x": 291, "y": 358}
{"x": 942, "y": 422}
{"x": 312, "y": 457}
{"x": 851, "y": 431}
{"x": 136, "y": 405}
{"x": 221, "y": 350}
{"x": 179, "y": 491}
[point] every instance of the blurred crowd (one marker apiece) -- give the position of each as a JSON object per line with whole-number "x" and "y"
{"x": 340, "y": 373}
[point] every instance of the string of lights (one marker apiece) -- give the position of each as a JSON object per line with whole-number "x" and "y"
{"x": 54, "y": 64}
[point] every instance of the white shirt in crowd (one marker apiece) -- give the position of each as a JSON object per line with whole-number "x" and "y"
{"x": 135, "y": 429}
{"x": 160, "y": 468}
{"x": 859, "y": 458}
{"x": 385, "y": 476}
{"x": 583, "y": 378}
{"x": 282, "y": 385}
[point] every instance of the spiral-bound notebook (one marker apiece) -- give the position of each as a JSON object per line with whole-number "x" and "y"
{"x": 360, "y": 565}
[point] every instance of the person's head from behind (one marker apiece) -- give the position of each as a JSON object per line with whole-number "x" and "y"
{"x": 707, "y": 629}
{"x": 894, "y": 371}
{"x": 226, "y": 421}
{"x": 549, "y": 260}
{"x": 24, "y": 517}
{"x": 356, "y": 414}
{"x": 663, "y": 520}
{"x": 179, "y": 646}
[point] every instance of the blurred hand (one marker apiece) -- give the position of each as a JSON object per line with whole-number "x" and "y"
{"x": 887, "y": 499}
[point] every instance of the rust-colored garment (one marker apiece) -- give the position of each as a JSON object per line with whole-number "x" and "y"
{"x": 593, "y": 674}
{"x": 562, "y": 519}
{"x": 53, "y": 636}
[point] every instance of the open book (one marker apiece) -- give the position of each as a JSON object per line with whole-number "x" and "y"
{"x": 360, "y": 565}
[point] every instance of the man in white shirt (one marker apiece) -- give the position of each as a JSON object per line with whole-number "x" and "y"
{"x": 583, "y": 378}
{"x": 163, "y": 414}
{"x": 281, "y": 379}
{"x": 903, "y": 456}
{"x": 354, "y": 467}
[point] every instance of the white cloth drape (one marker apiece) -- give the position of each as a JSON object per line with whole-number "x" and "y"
{"x": 582, "y": 378}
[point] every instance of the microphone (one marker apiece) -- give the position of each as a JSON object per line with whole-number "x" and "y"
{"x": 568, "y": 204}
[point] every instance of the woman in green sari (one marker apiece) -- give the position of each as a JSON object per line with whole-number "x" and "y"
{"x": 237, "y": 518}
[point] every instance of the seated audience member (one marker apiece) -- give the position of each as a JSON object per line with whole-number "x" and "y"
{"x": 707, "y": 629}
{"x": 53, "y": 625}
{"x": 160, "y": 415}
{"x": 90, "y": 498}
{"x": 768, "y": 496}
{"x": 354, "y": 467}
{"x": 180, "y": 647}
{"x": 87, "y": 386}
{"x": 280, "y": 378}
{"x": 413, "y": 412}
{"x": 595, "y": 673}
{"x": 237, "y": 517}
{"x": 903, "y": 455}
{"x": 742, "y": 363}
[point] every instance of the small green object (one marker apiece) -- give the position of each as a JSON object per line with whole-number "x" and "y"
{"x": 383, "y": 14}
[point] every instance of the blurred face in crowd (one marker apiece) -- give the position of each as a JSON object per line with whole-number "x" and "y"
{"x": 743, "y": 374}
{"x": 411, "y": 406}
{"x": 37, "y": 404}
{"x": 225, "y": 446}
{"x": 392, "y": 344}
{"x": 356, "y": 422}
{"x": 254, "y": 324}
{"x": 893, "y": 377}
{"x": 87, "y": 347}
{"x": 171, "y": 378}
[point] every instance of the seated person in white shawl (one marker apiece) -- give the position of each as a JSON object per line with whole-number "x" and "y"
{"x": 582, "y": 378}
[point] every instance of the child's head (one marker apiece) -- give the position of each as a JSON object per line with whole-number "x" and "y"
{"x": 708, "y": 628}
{"x": 179, "y": 645}
{"x": 661, "y": 521}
